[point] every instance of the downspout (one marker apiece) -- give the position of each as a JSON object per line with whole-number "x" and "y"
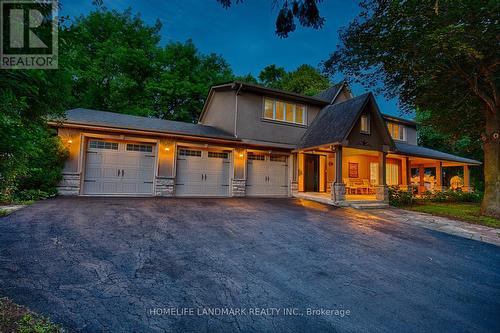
{"x": 236, "y": 110}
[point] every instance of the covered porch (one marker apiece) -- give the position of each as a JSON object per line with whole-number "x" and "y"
{"x": 347, "y": 176}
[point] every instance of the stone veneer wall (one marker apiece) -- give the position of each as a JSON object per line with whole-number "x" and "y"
{"x": 238, "y": 187}
{"x": 294, "y": 187}
{"x": 70, "y": 184}
{"x": 164, "y": 186}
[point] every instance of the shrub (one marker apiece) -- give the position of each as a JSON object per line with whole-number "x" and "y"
{"x": 399, "y": 197}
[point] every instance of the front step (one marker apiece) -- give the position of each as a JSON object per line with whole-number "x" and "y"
{"x": 368, "y": 205}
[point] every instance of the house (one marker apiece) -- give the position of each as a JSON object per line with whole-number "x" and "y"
{"x": 253, "y": 141}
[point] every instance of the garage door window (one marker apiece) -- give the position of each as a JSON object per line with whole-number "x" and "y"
{"x": 278, "y": 158}
{"x": 103, "y": 145}
{"x": 253, "y": 157}
{"x": 189, "y": 152}
{"x": 213, "y": 154}
{"x": 142, "y": 148}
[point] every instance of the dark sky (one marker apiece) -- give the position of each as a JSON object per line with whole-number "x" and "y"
{"x": 244, "y": 34}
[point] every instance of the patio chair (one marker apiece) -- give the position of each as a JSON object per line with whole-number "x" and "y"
{"x": 367, "y": 185}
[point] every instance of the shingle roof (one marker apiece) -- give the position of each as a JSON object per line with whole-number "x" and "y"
{"x": 333, "y": 122}
{"x": 415, "y": 150}
{"x": 329, "y": 94}
{"x": 124, "y": 121}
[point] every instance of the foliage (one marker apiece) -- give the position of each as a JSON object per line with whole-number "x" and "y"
{"x": 17, "y": 319}
{"x": 306, "y": 12}
{"x": 399, "y": 197}
{"x": 437, "y": 56}
{"x": 451, "y": 196}
{"x": 249, "y": 78}
{"x": 467, "y": 212}
{"x": 305, "y": 79}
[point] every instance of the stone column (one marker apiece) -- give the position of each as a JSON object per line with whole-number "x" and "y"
{"x": 238, "y": 187}
{"x": 69, "y": 184}
{"x": 164, "y": 186}
{"x": 338, "y": 187}
{"x": 466, "y": 187}
{"x": 381, "y": 190}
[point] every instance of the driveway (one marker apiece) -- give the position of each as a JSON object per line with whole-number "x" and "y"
{"x": 156, "y": 264}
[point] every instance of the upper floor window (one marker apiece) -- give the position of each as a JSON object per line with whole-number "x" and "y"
{"x": 365, "y": 124}
{"x": 284, "y": 111}
{"x": 397, "y": 131}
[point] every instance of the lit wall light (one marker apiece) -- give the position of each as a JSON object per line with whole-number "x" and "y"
{"x": 70, "y": 141}
{"x": 241, "y": 155}
{"x": 167, "y": 149}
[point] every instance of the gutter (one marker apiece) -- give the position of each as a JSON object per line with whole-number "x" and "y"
{"x": 236, "y": 111}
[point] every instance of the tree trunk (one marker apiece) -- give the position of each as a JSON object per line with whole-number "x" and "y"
{"x": 491, "y": 201}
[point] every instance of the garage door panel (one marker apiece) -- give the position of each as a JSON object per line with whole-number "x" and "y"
{"x": 111, "y": 168}
{"x": 202, "y": 173}
{"x": 267, "y": 177}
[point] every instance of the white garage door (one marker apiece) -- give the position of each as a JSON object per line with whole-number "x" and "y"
{"x": 267, "y": 175}
{"x": 202, "y": 173}
{"x": 123, "y": 168}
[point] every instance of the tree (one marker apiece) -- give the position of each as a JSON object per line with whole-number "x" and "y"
{"x": 111, "y": 57}
{"x": 305, "y": 80}
{"x": 183, "y": 79}
{"x": 272, "y": 76}
{"x": 306, "y": 12}
{"x": 437, "y": 56}
{"x": 248, "y": 78}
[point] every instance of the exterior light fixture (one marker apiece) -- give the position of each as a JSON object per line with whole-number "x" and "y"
{"x": 167, "y": 149}
{"x": 70, "y": 141}
{"x": 241, "y": 154}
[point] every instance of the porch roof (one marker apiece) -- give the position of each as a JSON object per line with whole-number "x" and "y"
{"x": 414, "y": 150}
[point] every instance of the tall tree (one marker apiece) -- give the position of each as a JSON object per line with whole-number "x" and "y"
{"x": 305, "y": 80}
{"x": 306, "y": 12}
{"x": 184, "y": 78}
{"x": 272, "y": 76}
{"x": 437, "y": 56}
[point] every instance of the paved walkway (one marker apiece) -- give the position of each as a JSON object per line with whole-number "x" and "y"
{"x": 10, "y": 208}
{"x": 453, "y": 227}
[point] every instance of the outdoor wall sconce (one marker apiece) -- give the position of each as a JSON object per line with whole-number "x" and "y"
{"x": 167, "y": 149}
{"x": 70, "y": 141}
{"x": 241, "y": 155}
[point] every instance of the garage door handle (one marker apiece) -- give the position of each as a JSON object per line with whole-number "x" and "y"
{"x": 118, "y": 172}
{"x": 123, "y": 173}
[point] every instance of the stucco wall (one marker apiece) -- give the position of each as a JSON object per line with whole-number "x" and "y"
{"x": 374, "y": 140}
{"x": 411, "y": 135}
{"x": 220, "y": 110}
{"x": 251, "y": 125}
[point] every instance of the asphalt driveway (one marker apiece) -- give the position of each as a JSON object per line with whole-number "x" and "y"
{"x": 155, "y": 264}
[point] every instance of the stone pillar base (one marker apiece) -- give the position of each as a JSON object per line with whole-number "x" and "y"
{"x": 382, "y": 193}
{"x": 238, "y": 187}
{"x": 70, "y": 184}
{"x": 294, "y": 187}
{"x": 338, "y": 193}
{"x": 164, "y": 186}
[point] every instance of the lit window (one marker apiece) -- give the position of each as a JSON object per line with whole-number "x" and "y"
{"x": 365, "y": 124}
{"x": 284, "y": 111}
{"x": 391, "y": 174}
{"x": 397, "y": 131}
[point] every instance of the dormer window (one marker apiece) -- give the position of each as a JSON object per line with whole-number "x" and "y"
{"x": 397, "y": 131}
{"x": 365, "y": 124}
{"x": 284, "y": 111}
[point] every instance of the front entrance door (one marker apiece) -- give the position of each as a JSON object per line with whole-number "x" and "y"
{"x": 311, "y": 176}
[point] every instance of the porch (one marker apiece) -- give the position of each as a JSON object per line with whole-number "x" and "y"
{"x": 346, "y": 176}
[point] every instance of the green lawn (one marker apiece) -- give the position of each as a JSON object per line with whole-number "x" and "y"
{"x": 468, "y": 212}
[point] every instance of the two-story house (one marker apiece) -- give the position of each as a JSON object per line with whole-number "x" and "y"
{"x": 252, "y": 141}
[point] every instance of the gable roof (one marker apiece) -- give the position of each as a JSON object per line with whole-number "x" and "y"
{"x": 124, "y": 121}
{"x": 399, "y": 120}
{"x": 420, "y": 151}
{"x": 331, "y": 93}
{"x": 334, "y": 123}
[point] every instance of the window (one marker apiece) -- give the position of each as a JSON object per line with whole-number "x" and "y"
{"x": 391, "y": 174}
{"x": 103, "y": 145}
{"x": 397, "y": 131}
{"x": 278, "y": 158}
{"x": 188, "y": 152}
{"x": 284, "y": 111}
{"x": 365, "y": 124}
{"x": 136, "y": 147}
{"x": 254, "y": 157}
{"x": 213, "y": 154}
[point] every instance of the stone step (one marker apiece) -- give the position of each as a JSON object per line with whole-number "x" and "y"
{"x": 368, "y": 205}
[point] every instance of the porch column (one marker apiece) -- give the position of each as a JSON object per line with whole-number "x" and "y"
{"x": 439, "y": 176}
{"x": 407, "y": 175}
{"x": 381, "y": 191}
{"x": 338, "y": 187}
{"x": 421, "y": 174}
{"x": 466, "y": 187}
